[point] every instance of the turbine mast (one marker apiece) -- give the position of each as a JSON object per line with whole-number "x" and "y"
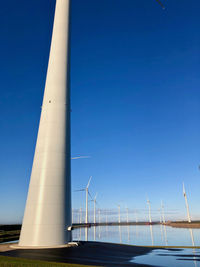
{"x": 86, "y": 209}
{"x": 186, "y": 204}
{"x": 149, "y": 204}
{"x": 162, "y": 212}
{"x": 119, "y": 214}
{"x": 47, "y": 214}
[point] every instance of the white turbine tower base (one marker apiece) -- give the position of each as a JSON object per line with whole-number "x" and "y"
{"x": 47, "y": 216}
{"x": 149, "y": 205}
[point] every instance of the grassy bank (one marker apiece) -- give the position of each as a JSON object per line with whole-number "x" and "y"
{"x": 184, "y": 224}
{"x": 6, "y": 236}
{"x": 18, "y": 262}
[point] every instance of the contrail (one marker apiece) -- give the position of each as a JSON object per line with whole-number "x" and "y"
{"x": 81, "y": 157}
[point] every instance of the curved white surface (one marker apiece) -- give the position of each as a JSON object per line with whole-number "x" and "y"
{"x": 48, "y": 208}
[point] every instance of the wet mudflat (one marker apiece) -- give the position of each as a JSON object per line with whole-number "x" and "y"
{"x": 88, "y": 253}
{"x": 108, "y": 254}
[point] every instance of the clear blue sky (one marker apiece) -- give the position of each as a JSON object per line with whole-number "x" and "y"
{"x": 135, "y": 101}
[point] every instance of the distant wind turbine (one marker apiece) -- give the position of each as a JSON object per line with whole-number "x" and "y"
{"x": 186, "y": 204}
{"x": 127, "y": 217}
{"x": 80, "y": 218}
{"x": 87, "y": 193}
{"x": 119, "y": 214}
{"x": 149, "y": 204}
{"x": 163, "y": 213}
{"x": 136, "y": 216}
{"x": 164, "y": 222}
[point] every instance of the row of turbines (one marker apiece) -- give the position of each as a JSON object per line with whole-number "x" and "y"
{"x": 88, "y": 194}
{"x": 162, "y": 208}
{"x": 162, "y": 220}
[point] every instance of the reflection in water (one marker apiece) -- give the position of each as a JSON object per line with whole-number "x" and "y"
{"x": 94, "y": 233}
{"x": 161, "y": 228}
{"x": 176, "y": 237}
{"x": 151, "y": 231}
{"x": 168, "y": 258}
{"x": 192, "y": 237}
{"x": 136, "y": 220}
{"x": 80, "y": 234}
{"x": 193, "y": 244}
{"x": 99, "y": 227}
{"x": 86, "y": 233}
{"x": 144, "y": 237}
{"x": 80, "y": 221}
{"x": 150, "y": 221}
{"x": 106, "y": 222}
{"x": 163, "y": 220}
{"x": 128, "y": 230}
{"x": 120, "y": 234}
{"x": 165, "y": 231}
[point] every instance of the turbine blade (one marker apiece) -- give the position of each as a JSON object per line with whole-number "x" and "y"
{"x": 89, "y": 181}
{"x": 95, "y": 196}
{"x": 183, "y": 189}
{"x": 79, "y": 190}
{"x": 160, "y": 3}
{"x": 81, "y": 157}
{"x": 90, "y": 195}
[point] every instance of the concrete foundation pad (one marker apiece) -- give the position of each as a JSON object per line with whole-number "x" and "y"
{"x": 68, "y": 245}
{"x": 5, "y": 247}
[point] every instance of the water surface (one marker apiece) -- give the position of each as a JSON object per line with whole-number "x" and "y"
{"x": 156, "y": 235}
{"x": 170, "y": 258}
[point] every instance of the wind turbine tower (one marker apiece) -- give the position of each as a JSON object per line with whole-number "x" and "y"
{"x": 127, "y": 216}
{"x": 86, "y": 198}
{"x": 186, "y": 204}
{"x": 149, "y": 204}
{"x": 47, "y": 216}
{"x": 119, "y": 214}
{"x": 87, "y": 192}
{"x": 162, "y": 212}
